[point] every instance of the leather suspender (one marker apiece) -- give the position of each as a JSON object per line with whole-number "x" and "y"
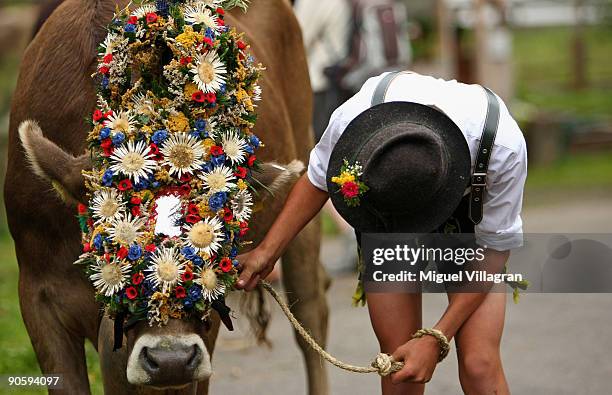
{"x": 478, "y": 182}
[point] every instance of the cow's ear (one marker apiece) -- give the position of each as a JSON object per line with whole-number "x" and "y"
{"x": 50, "y": 162}
{"x": 272, "y": 179}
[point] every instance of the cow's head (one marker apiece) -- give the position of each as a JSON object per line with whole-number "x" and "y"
{"x": 177, "y": 353}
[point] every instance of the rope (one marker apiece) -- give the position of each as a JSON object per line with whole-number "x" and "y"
{"x": 383, "y": 364}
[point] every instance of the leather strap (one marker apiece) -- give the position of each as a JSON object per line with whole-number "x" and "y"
{"x": 383, "y": 86}
{"x": 478, "y": 182}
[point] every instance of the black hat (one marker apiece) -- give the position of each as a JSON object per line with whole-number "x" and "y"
{"x": 416, "y": 163}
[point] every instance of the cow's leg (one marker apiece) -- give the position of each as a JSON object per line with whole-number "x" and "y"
{"x": 305, "y": 281}
{"x": 58, "y": 348}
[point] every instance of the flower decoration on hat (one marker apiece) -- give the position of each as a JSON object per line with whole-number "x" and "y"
{"x": 349, "y": 183}
{"x": 172, "y": 127}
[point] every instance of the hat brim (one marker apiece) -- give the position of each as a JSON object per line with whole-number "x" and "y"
{"x": 361, "y": 129}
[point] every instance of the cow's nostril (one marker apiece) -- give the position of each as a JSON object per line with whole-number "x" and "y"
{"x": 195, "y": 358}
{"x": 148, "y": 360}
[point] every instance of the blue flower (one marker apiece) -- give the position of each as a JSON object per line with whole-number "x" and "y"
{"x": 159, "y": 136}
{"x": 207, "y": 167}
{"x": 188, "y": 252}
{"x": 195, "y": 133}
{"x": 105, "y": 82}
{"x": 198, "y": 261}
{"x": 255, "y": 141}
{"x": 233, "y": 252}
{"x": 135, "y": 252}
{"x": 200, "y": 125}
{"x": 235, "y": 263}
{"x": 217, "y": 201}
{"x": 210, "y": 33}
{"x": 104, "y": 133}
{"x": 118, "y": 138}
{"x": 129, "y": 28}
{"x": 97, "y": 241}
{"x": 142, "y": 184}
{"x": 218, "y": 160}
{"x": 188, "y": 303}
{"x": 195, "y": 292}
{"x": 155, "y": 184}
{"x": 162, "y": 7}
{"x": 222, "y": 88}
{"x": 107, "y": 178}
{"x": 249, "y": 149}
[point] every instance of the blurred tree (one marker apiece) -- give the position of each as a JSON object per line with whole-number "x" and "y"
{"x": 579, "y": 48}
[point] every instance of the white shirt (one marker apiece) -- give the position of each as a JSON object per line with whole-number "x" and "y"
{"x": 501, "y": 227}
{"x": 325, "y": 30}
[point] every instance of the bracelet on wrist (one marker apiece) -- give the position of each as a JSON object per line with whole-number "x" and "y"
{"x": 443, "y": 342}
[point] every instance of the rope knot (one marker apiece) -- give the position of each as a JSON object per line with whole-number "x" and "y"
{"x": 385, "y": 364}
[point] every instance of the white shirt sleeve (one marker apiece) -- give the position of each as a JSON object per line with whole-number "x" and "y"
{"x": 501, "y": 227}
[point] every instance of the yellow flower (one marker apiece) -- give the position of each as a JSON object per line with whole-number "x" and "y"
{"x": 203, "y": 210}
{"x": 146, "y": 130}
{"x": 242, "y": 185}
{"x": 343, "y": 178}
{"x": 178, "y": 123}
{"x": 188, "y": 38}
{"x": 162, "y": 175}
{"x": 189, "y": 90}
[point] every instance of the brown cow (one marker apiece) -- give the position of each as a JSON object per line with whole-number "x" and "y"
{"x": 56, "y": 298}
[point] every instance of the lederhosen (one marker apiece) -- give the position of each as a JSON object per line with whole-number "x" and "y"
{"x": 470, "y": 210}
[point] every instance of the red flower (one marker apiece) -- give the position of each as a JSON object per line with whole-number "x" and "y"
{"x": 225, "y": 265}
{"x": 220, "y": 22}
{"x": 251, "y": 160}
{"x": 150, "y": 247}
{"x": 107, "y": 257}
{"x": 211, "y": 97}
{"x": 90, "y": 222}
{"x": 151, "y": 17}
{"x": 216, "y": 150}
{"x": 208, "y": 41}
{"x": 185, "y": 189}
{"x": 187, "y": 275}
{"x": 350, "y": 189}
{"x": 82, "y": 209}
{"x": 132, "y": 20}
{"x": 104, "y": 70}
{"x": 198, "y": 97}
{"x": 241, "y": 45}
{"x": 107, "y": 58}
{"x": 193, "y": 209}
{"x": 97, "y": 115}
{"x": 185, "y": 177}
{"x": 106, "y": 143}
{"x": 240, "y": 172}
{"x": 137, "y": 278}
{"x": 108, "y": 113}
{"x": 227, "y": 214}
{"x": 136, "y": 211}
{"x": 220, "y": 11}
{"x": 131, "y": 293}
{"x": 192, "y": 219}
{"x": 136, "y": 200}
{"x": 86, "y": 247}
{"x": 153, "y": 149}
{"x": 244, "y": 228}
{"x": 179, "y": 292}
{"x": 124, "y": 185}
{"x": 122, "y": 253}
{"x": 186, "y": 60}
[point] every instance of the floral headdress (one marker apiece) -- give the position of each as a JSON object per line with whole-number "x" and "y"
{"x": 172, "y": 146}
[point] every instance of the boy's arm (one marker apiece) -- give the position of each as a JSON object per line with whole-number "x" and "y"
{"x": 303, "y": 203}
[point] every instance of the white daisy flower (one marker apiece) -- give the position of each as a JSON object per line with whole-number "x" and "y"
{"x": 234, "y": 146}
{"x": 166, "y": 268}
{"x": 212, "y": 288}
{"x": 205, "y": 236}
{"x": 143, "y": 10}
{"x": 242, "y": 204}
{"x": 125, "y": 230}
{"x": 220, "y": 179}
{"x": 183, "y": 153}
{"x": 209, "y": 72}
{"x": 109, "y": 278}
{"x": 121, "y": 122}
{"x": 143, "y": 105}
{"x": 198, "y": 14}
{"x": 133, "y": 160}
{"x": 107, "y": 205}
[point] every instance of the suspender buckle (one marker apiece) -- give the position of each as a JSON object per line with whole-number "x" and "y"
{"x": 479, "y": 179}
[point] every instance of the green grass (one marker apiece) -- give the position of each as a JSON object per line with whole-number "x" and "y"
{"x": 18, "y": 357}
{"x": 543, "y": 66}
{"x": 584, "y": 171}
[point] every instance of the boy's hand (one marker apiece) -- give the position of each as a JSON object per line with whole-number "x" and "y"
{"x": 255, "y": 265}
{"x": 420, "y": 357}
